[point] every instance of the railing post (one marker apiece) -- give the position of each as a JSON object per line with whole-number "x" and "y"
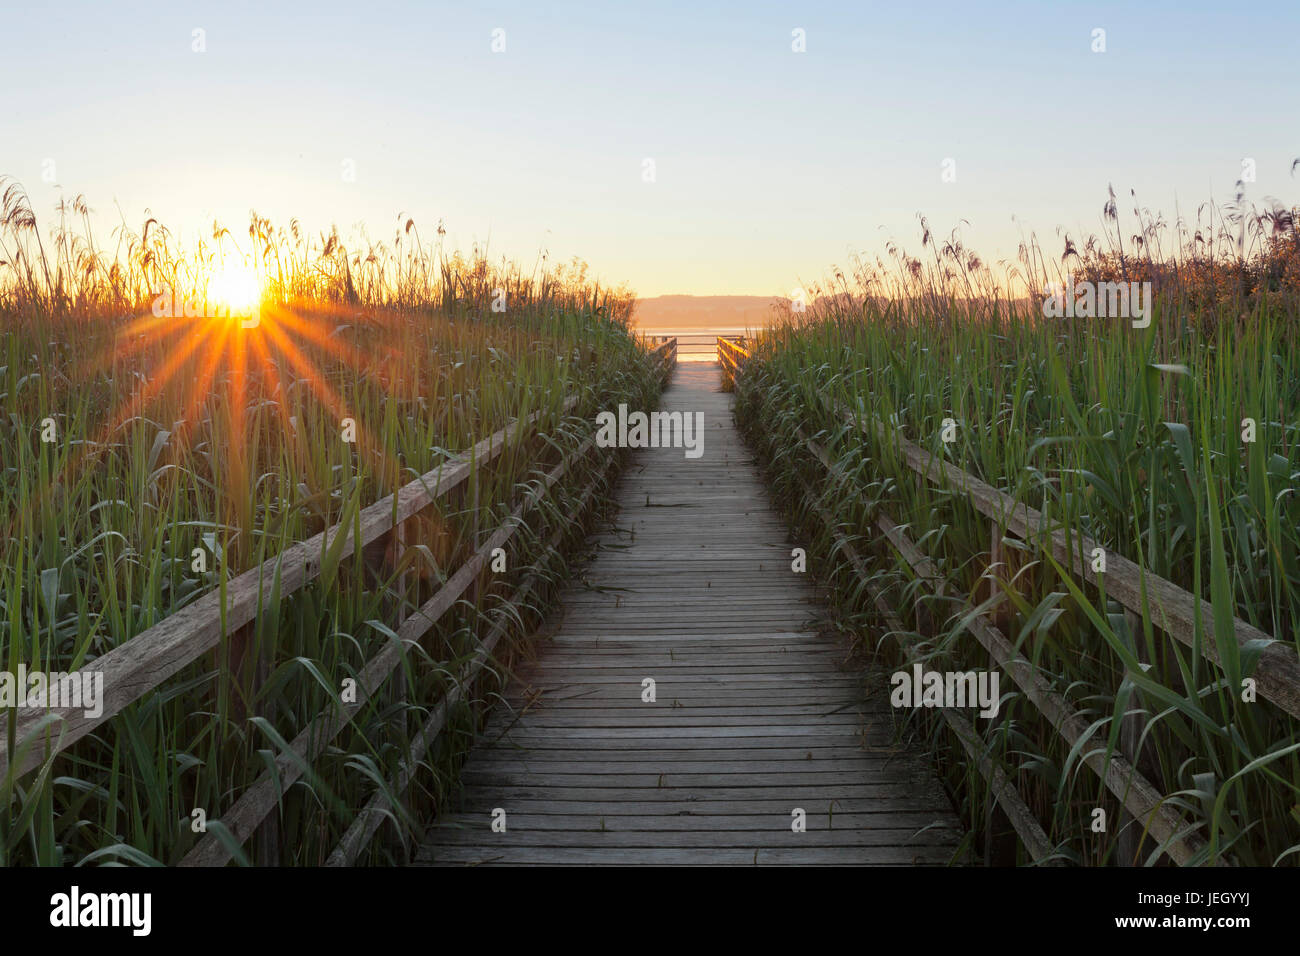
{"x": 402, "y": 584}
{"x": 268, "y": 834}
{"x": 1132, "y": 725}
{"x": 246, "y": 670}
{"x": 998, "y": 613}
{"x": 995, "y": 557}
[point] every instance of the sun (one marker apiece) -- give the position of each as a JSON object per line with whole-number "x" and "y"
{"x": 234, "y": 286}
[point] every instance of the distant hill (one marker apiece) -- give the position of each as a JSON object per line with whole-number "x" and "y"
{"x": 707, "y": 312}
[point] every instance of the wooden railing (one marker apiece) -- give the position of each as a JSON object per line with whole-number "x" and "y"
{"x": 143, "y": 663}
{"x": 1017, "y": 811}
{"x": 1145, "y": 596}
{"x": 1168, "y": 606}
{"x": 732, "y": 356}
{"x": 665, "y": 352}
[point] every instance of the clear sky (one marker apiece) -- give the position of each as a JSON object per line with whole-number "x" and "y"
{"x": 769, "y": 165}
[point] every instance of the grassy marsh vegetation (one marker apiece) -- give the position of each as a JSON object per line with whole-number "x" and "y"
{"x": 1132, "y": 436}
{"x": 178, "y": 439}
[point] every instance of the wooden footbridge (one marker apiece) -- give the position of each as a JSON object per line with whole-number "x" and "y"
{"x": 687, "y": 706}
{"x": 688, "y": 703}
{"x": 756, "y": 722}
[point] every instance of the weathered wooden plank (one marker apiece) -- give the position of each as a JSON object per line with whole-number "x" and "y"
{"x": 688, "y": 669}
{"x": 676, "y": 766}
{"x": 902, "y": 784}
{"x": 760, "y": 684}
{"x": 776, "y": 817}
{"x": 706, "y": 709}
{"x": 525, "y": 740}
{"x": 753, "y": 677}
{"x": 791, "y": 734}
{"x": 781, "y": 771}
{"x": 670, "y": 805}
{"x": 672, "y": 720}
{"x": 693, "y": 692}
{"x": 687, "y": 644}
{"x": 609, "y": 777}
{"x": 778, "y": 835}
{"x": 695, "y": 856}
{"x": 652, "y": 753}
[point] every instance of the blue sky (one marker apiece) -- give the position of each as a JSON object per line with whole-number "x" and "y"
{"x": 770, "y": 166}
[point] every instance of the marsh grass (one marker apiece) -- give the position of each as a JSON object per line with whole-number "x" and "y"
{"x": 1132, "y": 436}
{"x": 182, "y": 435}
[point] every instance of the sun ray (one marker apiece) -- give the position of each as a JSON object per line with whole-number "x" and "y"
{"x": 315, "y": 381}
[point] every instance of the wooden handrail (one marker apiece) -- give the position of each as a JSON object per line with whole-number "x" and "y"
{"x": 1022, "y": 818}
{"x": 667, "y": 353}
{"x": 262, "y": 796}
{"x": 1169, "y": 607}
{"x": 1121, "y": 777}
{"x": 731, "y": 355}
{"x": 145, "y": 661}
{"x": 368, "y": 820}
{"x": 140, "y": 664}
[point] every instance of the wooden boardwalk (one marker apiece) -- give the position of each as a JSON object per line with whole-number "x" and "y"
{"x": 755, "y": 714}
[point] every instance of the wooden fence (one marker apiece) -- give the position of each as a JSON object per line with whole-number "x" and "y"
{"x": 732, "y": 356}
{"x": 666, "y": 352}
{"x": 1145, "y": 597}
{"x": 691, "y": 346}
{"x": 146, "y": 661}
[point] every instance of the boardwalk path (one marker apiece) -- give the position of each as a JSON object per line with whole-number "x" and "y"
{"x": 755, "y": 714}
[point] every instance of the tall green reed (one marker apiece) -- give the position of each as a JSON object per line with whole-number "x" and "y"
{"x": 187, "y": 451}
{"x": 1132, "y": 436}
